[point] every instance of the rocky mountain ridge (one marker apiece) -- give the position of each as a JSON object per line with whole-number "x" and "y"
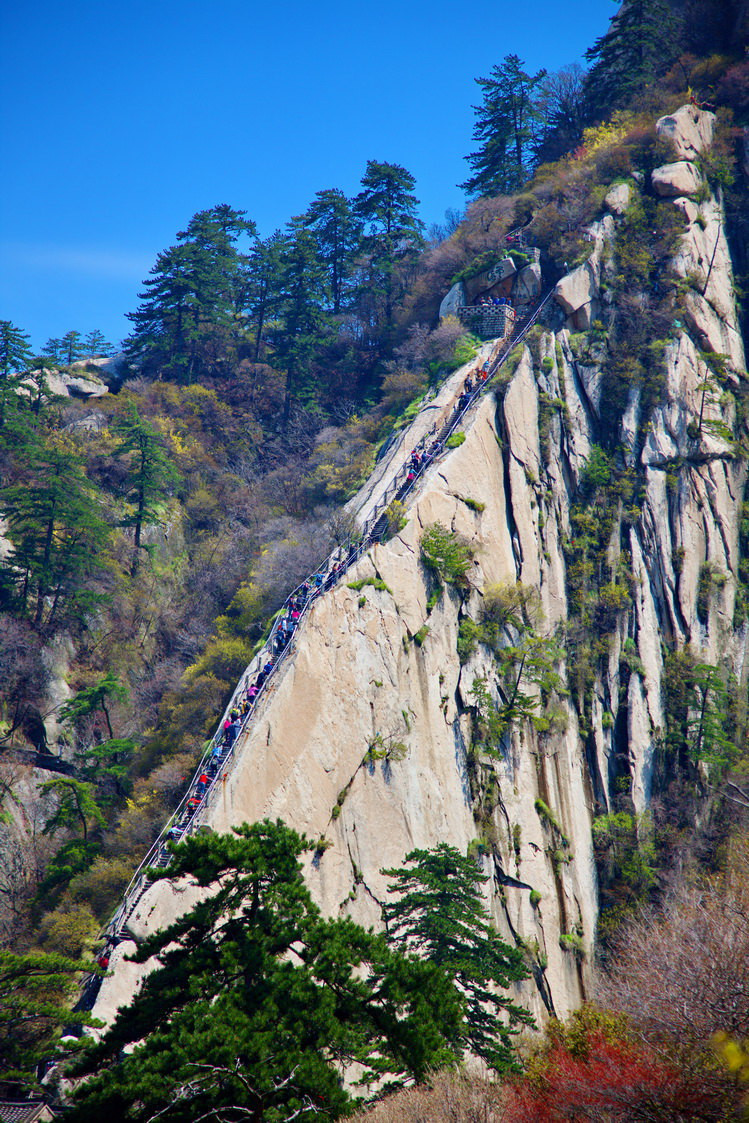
{"x": 381, "y": 666}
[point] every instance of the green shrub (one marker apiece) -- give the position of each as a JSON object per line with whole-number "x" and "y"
{"x": 455, "y": 440}
{"x": 101, "y": 886}
{"x": 421, "y": 635}
{"x": 572, "y": 942}
{"x": 466, "y": 349}
{"x": 396, "y": 518}
{"x": 472, "y": 504}
{"x": 630, "y": 657}
{"x": 597, "y": 471}
{"x": 625, "y": 853}
{"x": 434, "y": 596}
{"x": 469, "y": 632}
{"x": 547, "y": 816}
{"x": 482, "y": 263}
{"x": 375, "y": 582}
{"x": 710, "y": 580}
{"x": 385, "y": 748}
{"x": 446, "y": 553}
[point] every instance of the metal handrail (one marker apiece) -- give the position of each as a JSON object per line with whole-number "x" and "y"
{"x": 344, "y": 555}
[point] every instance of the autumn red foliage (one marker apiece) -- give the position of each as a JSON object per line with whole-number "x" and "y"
{"x": 616, "y": 1082}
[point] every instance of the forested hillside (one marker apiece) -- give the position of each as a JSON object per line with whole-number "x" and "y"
{"x": 158, "y": 505}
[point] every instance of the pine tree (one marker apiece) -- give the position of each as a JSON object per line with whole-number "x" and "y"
{"x": 261, "y": 1004}
{"x": 37, "y": 381}
{"x": 53, "y": 349}
{"x": 214, "y": 235}
{"x": 505, "y": 128}
{"x": 36, "y": 995}
{"x": 192, "y": 298}
{"x": 76, "y": 806}
{"x": 58, "y": 533}
{"x": 261, "y": 280}
{"x": 641, "y": 43}
{"x": 150, "y": 478}
{"x": 15, "y": 349}
{"x": 337, "y": 234}
{"x": 95, "y": 346}
{"x": 699, "y": 723}
{"x": 387, "y": 208}
{"x": 103, "y": 761}
{"x": 71, "y": 347}
{"x": 301, "y": 296}
{"x": 439, "y": 914}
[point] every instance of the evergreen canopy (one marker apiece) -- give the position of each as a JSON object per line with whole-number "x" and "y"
{"x": 260, "y": 1004}
{"x": 641, "y": 43}
{"x": 440, "y": 915}
{"x": 506, "y": 124}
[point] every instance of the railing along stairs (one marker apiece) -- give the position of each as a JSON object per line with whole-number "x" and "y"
{"x": 185, "y": 821}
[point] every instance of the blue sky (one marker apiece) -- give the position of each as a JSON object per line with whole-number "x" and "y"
{"x": 120, "y": 121}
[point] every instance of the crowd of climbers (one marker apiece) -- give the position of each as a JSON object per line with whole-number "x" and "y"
{"x": 427, "y": 450}
{"x": 493, "y": 302}
{"x": 288, "y": 622}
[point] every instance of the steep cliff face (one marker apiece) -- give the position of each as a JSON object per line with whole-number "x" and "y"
{"x": 380, "y": 667}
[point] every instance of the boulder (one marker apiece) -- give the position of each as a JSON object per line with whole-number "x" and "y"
{"x": 618, "y": 198}
{"x": 681, "y": 178}
{"x": 111, "y": 369}
{"x": 577, "y": 293}
{"x": 689, "y": 209}
{"x": 689, "y": 129}
{"x": 527, "y": 284}
{"x": 84, "y": 387}
{"x": 94, "y": 422}
{"x": 455, "y": 298}
{"x": 502, "y": 270}
{"x": 66, "y": 385}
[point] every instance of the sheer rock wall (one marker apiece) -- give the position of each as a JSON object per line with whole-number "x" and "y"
{"x": 358, "y": 677}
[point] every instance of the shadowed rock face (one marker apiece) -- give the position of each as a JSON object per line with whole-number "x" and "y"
{"x": 357, "y": 677}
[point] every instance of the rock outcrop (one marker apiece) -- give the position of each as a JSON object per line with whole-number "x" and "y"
{"x": 380, "y": 664}
{"x": 681, "y": 178}
{"x": 690, "y": 130}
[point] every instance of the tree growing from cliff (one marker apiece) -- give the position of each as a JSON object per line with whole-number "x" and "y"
{"x": 439, "y": 913}
{"x": 103, "y": 760}
{"x": 699, "y": 718}
{"x": 260, "y": 1004}
{"x": 506, "y": 125}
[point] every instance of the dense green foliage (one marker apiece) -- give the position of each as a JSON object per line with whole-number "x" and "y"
{"x": 439, "y": 914}
{"x": 445, "y": 554}
{"x": 35, "y": 995}
{"x": 640, "y": 44}
{"x": 259, "y": 1000}
{"x": 505, "y": 128}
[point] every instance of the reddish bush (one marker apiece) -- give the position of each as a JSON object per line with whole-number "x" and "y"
{"x": 617, "y": 1081}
